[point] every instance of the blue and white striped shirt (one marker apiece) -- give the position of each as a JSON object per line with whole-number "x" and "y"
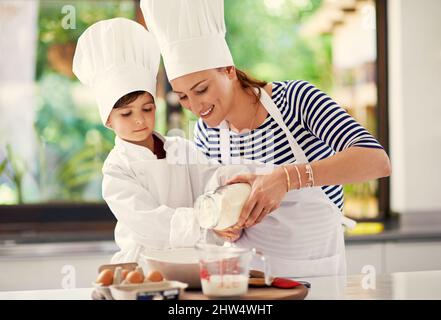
{"x": 320, "y": 126}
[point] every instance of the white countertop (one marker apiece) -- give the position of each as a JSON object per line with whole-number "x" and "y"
{"x": 406, "y": 285}
{"x": 425, "y": 285}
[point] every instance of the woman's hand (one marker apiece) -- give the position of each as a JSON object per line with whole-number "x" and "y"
{"x": 230, "y": 234}
{"x": 267, "y": 191}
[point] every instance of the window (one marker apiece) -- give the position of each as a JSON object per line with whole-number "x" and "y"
{"x": 52, "y": 143}
{"x": 352, "y": 26}
{"x": 358, "y": 46}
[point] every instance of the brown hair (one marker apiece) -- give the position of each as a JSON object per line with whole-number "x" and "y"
{"x": 247, "y": 82}
{"x": 128, "y": 98}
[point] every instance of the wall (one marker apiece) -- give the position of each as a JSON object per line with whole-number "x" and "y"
{"x": 18, "y": 40}
{"x": 415, "y": 104}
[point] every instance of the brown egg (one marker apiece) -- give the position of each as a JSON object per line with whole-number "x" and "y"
{"x": 124, "y": 273}
{"x": 155, "y": 276}
{"x": 105, "y": 277}
{"x": 135, "y": 277}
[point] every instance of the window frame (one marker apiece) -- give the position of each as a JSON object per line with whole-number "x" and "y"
{"x": 385, "y": 214}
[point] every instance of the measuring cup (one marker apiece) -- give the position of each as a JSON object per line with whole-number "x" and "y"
{"x": 224, "y": 271}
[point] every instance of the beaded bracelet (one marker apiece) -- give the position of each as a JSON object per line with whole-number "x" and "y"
{"x": 310, "y": 173}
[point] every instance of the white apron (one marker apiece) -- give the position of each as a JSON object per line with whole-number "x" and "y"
{"x": 304, "y": 237}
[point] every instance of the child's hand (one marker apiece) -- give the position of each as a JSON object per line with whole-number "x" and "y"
{"x": 229, "y": 234}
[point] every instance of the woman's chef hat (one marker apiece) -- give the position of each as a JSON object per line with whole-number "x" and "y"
{"x": 115, "y": 57}
{"x": 190, "y": 33}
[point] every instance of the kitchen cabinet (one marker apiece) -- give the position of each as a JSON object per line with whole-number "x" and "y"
{"x": 360, "y": 255}
{"x": 52, "y": 265}
{"x": 394, "y": 256}
{"x": 50, "y": 272}
{"x": 412, "y": 256}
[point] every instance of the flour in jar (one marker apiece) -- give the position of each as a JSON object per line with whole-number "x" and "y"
{"x": 221, "y": 209}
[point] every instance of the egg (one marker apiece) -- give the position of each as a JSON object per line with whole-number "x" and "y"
{"x": 105, "y": 277}
{"x": 135, "y": 277}
{"x": 155, "y": 276}
{"x": 124, "y": 274}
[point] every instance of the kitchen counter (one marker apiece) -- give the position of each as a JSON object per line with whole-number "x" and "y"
{"x": 405, "y": 285}
{"x": 12, "y": 248}
{"x": 424, "y": 285}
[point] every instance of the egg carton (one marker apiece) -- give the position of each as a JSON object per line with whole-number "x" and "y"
{"x": 122, "y": 290}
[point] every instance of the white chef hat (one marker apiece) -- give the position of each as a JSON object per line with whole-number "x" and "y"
{"x": 190, "y": 33}
{"x": 115, "y": 57}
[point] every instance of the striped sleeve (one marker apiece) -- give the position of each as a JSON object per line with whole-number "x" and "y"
{"x": 328, "y": 121}
{"x": 200, "y": 138}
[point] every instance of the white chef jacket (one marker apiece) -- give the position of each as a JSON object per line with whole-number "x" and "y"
{"x": 153, "y": 199}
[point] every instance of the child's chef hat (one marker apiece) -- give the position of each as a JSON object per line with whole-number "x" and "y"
{"x": 115, "y": 57}
{"x": 190, "y": 33}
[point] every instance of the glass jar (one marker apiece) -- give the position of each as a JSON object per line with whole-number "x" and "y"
{"x": 221, "y": 208}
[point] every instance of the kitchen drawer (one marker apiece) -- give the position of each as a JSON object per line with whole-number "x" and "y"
{"x": 50, "y": 272}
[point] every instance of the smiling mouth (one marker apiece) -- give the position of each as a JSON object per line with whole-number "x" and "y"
{"x": 207, "y": 113}
{"x": 140, "y": 130}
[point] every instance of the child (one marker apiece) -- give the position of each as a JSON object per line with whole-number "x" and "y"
{"x": 150, "y": 194}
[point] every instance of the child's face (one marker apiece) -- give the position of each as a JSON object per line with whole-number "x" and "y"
{"x": 134, "y": 121}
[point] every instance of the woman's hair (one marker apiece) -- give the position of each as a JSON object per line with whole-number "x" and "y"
{"x": 248, "y": 82}
{"x": 128, "y": 98}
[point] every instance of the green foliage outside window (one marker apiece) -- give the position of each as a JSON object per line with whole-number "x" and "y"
{"x": 265, "y": 41}
{"x": 72, "y": 142}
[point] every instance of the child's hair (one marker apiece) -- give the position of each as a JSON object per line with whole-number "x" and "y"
{"x": 128, "y": 98}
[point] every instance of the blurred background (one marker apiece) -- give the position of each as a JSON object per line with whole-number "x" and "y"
{"x": 379, "y": 59}
{"x": 52, "y": 150}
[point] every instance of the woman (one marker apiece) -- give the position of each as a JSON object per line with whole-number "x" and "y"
{"x": 314, "y": 145}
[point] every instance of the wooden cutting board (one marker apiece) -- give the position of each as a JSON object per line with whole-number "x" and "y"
{"x": 266, "y": 293}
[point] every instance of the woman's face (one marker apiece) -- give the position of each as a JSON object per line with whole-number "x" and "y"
{"x": 207, "y": 94}
{"x": 135, "y": 121}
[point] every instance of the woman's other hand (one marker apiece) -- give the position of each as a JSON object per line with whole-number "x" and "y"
{"x": 267, "y": 192}
{"x": 229, "y": 234}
